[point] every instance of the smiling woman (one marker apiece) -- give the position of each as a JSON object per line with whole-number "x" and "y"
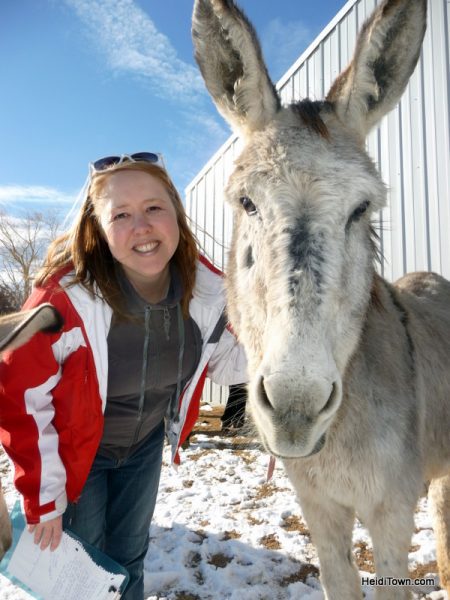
{"x": 140, "y": 224}
{"x": 143, "y": 325}
{"x": 128, "y": 205}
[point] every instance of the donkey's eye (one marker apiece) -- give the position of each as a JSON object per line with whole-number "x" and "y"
{"x": 358, "y": 212}
{"x": 248, "y": 205}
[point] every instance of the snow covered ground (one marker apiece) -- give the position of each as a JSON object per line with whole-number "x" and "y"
{"x": 220, "y": 531}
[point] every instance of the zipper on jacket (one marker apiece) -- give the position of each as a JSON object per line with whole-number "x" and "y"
{"x": 166, "y": 326}
{"x": 166, "y": 318}
{"x": 147, "y": 316}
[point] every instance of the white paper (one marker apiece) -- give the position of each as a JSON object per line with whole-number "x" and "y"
{"x": 67, "y": 573}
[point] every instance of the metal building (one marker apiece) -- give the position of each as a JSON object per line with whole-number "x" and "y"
{"x": 411, "y": 148}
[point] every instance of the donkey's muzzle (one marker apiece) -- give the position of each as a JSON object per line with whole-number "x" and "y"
{"x": 293, "y": 419}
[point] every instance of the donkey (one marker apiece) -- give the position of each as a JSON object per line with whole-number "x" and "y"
{"x": 349, "y": 375}
{"x": 15, "y": 330}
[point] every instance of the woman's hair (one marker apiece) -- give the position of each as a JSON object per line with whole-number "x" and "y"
{"x": 84, "y": 246}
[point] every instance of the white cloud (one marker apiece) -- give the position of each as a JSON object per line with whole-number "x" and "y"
{"x": 132, "y": 44}
{"x": 283, "y": 43}
{"x": 30, "y": 193}
{"x": 19, "y": 199}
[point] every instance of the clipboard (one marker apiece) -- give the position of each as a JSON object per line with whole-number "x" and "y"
{"x": 28, "y": 567}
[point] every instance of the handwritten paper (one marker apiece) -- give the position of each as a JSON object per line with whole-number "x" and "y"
{"x": 67, "y": 573}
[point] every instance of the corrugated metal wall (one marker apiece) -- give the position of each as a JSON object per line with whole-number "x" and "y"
{"x": 411, "y": 147}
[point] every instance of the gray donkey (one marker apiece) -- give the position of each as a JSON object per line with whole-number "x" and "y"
{"x": 349, "y": 375}
{"x": 15, "y": 330}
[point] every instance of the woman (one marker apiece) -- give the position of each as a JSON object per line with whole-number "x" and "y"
{"x": 143, "y": 326}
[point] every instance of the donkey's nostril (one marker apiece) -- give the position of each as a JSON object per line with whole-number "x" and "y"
{"x": 263, "y": 395}
{"x": 332, "y": 399}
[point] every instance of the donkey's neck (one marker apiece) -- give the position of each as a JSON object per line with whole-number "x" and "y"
{"x": 386, "y": 343}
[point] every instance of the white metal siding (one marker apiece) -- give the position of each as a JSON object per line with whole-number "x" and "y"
{"x": 411, "y": 147}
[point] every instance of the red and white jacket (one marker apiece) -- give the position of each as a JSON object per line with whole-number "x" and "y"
{"x": 53, "y": 389}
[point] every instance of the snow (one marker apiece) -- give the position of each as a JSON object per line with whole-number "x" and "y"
{"x": 220, "y": 531}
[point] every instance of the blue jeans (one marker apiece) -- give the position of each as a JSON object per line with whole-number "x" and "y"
{"x": 116, "y": 506}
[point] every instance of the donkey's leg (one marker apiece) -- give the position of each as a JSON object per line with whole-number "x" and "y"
{"x": 331, "y": 527}
{"x": 391, "y": 526}
{"x": 439, "y": 497}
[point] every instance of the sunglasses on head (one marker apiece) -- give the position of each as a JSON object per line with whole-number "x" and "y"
{"x": 106, "y": 162}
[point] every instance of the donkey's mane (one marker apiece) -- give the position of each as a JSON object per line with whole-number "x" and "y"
{"x": 309, "y": 113}
{"x": 378, "y": 257}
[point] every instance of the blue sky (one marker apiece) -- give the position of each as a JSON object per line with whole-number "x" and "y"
{"x": 81, "y": 79}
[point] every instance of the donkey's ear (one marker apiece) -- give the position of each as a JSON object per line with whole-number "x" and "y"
{"x": 230, "y": 59}
{"x": 386, "y": 54}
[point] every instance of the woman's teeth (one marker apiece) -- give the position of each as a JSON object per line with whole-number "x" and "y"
{"x": 146, "y": 247}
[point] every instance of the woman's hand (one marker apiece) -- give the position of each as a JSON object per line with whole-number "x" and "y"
{"x": 47, "y": 533}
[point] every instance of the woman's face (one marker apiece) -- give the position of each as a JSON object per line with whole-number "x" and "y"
{"x": 140, "y": 225}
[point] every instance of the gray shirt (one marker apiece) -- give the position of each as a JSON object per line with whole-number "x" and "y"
{"x": 143, "y": 366}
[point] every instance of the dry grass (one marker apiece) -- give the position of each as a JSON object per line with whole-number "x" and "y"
{"x": 271, "y": 542}
{"x": 301, "y": 575}
{"x": 219, "y": 560}
{"x": 295, "y": 523}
